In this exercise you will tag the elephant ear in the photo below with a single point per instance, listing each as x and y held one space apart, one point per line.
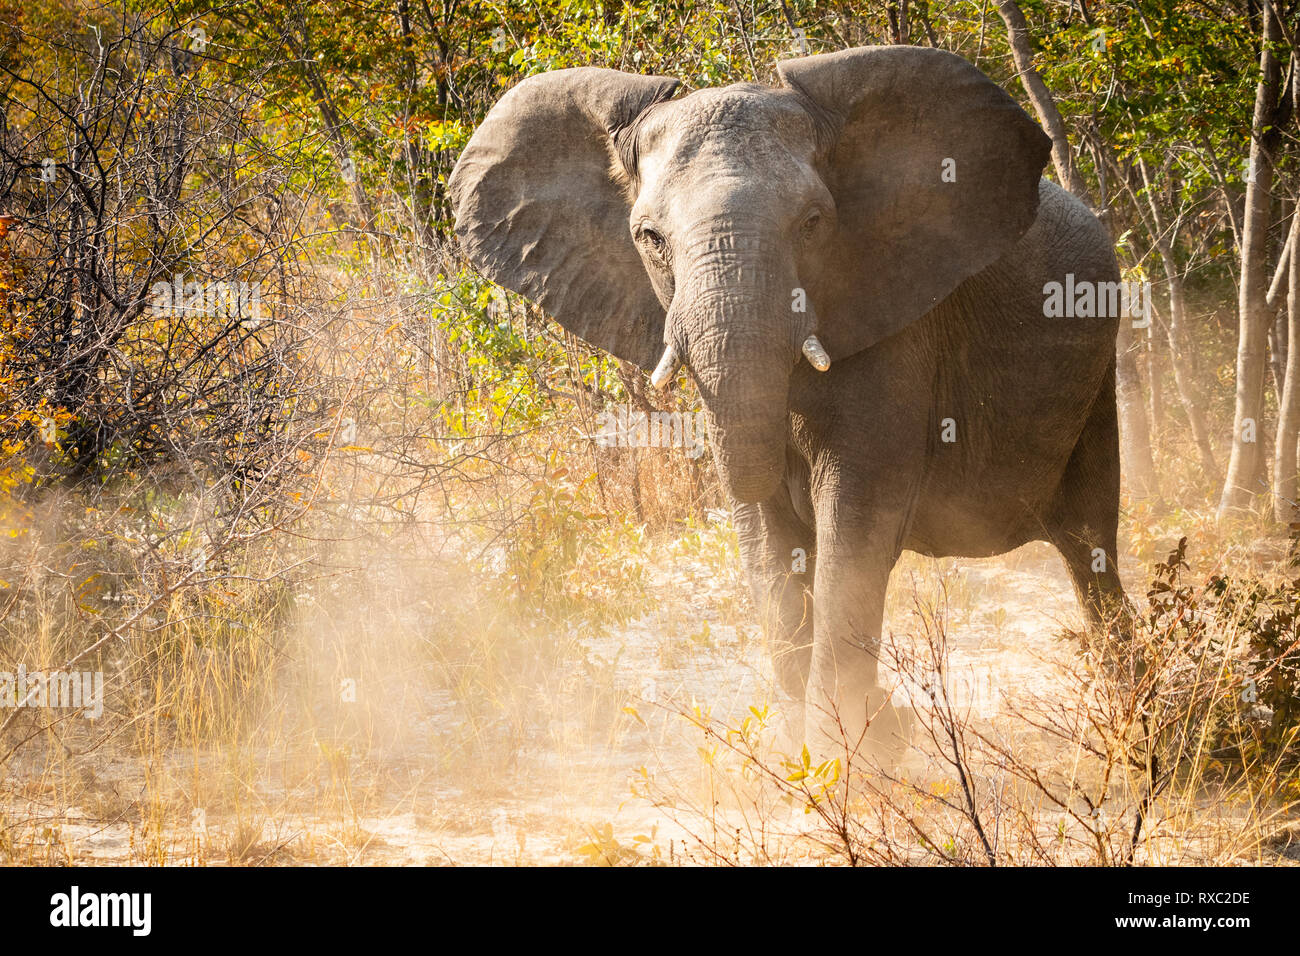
540 210
896 119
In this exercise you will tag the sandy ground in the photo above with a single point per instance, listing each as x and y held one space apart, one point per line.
627 784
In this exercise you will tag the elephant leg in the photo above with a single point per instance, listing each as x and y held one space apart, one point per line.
778 553
1084 517
1089 554
846 708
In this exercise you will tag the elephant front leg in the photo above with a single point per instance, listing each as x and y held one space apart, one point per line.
847 711
777 549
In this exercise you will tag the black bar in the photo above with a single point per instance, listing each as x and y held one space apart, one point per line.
330 906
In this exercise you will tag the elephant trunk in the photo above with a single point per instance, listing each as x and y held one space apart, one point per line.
747 426
737 335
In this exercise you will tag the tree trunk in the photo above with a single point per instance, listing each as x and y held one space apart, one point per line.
1277 290
1179 349
1155 393
1135 439
1245 467
1041 98
1286 483
1279 340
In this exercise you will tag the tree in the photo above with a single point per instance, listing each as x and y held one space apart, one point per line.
1286 482
1245 467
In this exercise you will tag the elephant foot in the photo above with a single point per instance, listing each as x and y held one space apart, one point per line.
877 741
788 742
790 665
889 735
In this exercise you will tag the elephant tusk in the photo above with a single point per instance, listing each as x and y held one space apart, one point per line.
815 354
667 368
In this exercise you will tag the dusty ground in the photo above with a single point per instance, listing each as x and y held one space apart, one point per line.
601 759
563 790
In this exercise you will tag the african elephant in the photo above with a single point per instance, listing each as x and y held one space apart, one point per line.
853 267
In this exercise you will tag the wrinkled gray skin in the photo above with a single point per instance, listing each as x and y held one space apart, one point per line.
639 220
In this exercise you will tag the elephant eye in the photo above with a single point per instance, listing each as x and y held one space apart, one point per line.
655 240
810 224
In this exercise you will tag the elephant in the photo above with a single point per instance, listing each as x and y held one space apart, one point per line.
852 266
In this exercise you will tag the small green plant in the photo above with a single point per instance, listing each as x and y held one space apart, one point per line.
1242 636
603 848
567 559
815 783
1269 619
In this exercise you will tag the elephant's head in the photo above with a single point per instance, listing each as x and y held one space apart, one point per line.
735 229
